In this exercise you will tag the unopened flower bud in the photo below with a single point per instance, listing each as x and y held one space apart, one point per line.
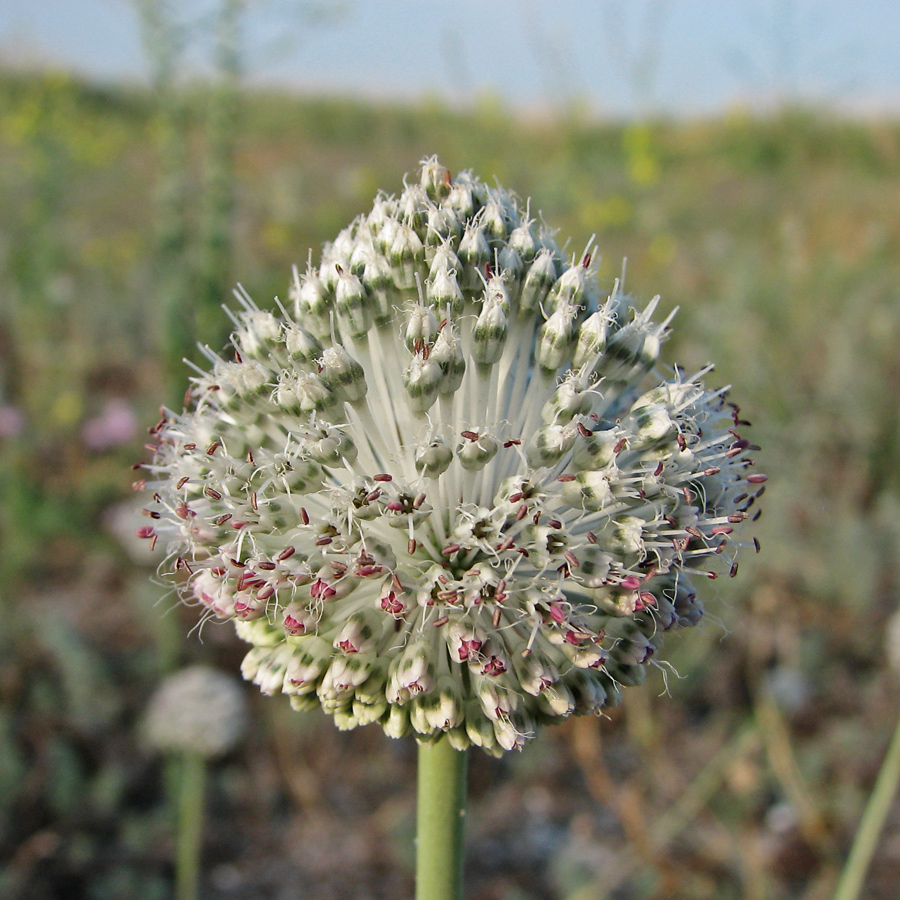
474 253
556 339
434 458
539 278
343 375
490 334
422 380
407 256
421 328
476 453
550 444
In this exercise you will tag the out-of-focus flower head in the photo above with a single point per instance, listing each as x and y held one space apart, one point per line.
196 710
449 490
12 422
115 425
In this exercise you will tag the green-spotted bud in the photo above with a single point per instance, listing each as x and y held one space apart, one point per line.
312 302
497 702
539 278
461 199
556 339
266 670
330 446
352 303
494 219
550 444
376 274
572 398
591 340
443 225
421 328
595 449
440 710
258 335
435 179
433 458
480 731
411 673
396 725
360 254
626 536
444 293
343 375
302 347
306 668
497 291
444 260
576 286
557 700
587 490
297 476
407 257
387 232
422 380
244 379
413 207
634 348
522 241
653 424
593 565
305 393
474 254
447 353
490 333
378 280
536 673
382 210
512 268
360 634
475 451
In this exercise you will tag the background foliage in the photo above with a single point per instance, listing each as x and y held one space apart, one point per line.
778 238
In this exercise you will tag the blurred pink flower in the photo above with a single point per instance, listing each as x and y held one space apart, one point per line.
114 426
12 421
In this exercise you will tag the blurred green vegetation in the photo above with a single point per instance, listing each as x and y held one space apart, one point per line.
779 240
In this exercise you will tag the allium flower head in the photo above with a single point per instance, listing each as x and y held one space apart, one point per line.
447 490
196 710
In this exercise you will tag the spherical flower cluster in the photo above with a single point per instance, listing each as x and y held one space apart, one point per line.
442 491
196 710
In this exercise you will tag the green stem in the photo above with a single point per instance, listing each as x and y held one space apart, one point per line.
440 821
191 791
872 822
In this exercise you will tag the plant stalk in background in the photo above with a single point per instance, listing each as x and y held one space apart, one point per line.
165 40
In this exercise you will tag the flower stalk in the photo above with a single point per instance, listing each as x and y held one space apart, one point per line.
196 715
440 821
191 804
853 875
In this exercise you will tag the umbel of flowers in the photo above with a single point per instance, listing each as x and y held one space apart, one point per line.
448 489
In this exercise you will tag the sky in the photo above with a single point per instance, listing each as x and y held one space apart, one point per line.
614 57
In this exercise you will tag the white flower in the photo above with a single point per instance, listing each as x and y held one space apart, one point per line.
448 490
196 710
